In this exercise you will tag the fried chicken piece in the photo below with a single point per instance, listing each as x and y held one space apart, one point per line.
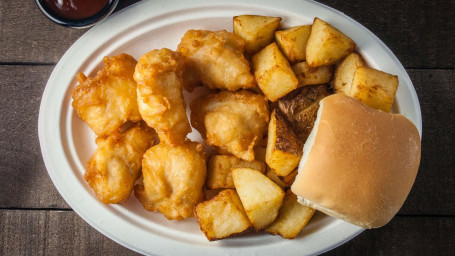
116 163
159 94
217 57
173 179
233 122
108 100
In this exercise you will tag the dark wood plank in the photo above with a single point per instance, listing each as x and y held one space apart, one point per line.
420 33
28 36
404 236
433 191
52 233
24 182
64 233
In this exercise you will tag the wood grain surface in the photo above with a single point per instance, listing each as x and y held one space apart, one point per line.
35 220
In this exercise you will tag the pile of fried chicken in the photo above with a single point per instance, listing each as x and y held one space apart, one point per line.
137 111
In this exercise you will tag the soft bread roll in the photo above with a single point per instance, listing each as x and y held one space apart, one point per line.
359 163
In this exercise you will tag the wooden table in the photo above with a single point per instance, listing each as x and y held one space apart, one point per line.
35 220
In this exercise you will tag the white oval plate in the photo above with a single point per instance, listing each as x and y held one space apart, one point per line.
67 143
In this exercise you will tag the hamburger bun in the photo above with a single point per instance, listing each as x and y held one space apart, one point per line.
358 163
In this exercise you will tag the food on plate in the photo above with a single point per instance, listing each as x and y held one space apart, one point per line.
222 216
284 148
301 106
173 179
326 44
219 170
217 58
159 94
374 88
282 181
232 122
359 163
116 164
345 72
361 168
273 73
292 42
108 100
256 30
292 217
307 75
261 198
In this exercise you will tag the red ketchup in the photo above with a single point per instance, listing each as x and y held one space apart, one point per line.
76 9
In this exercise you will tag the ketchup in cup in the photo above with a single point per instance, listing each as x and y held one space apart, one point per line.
77 13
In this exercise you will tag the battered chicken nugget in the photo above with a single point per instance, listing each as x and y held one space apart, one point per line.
218 59
108 100
116 163
233 122
173 178
159 94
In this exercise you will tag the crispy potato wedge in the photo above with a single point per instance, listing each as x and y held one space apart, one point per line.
292 218
375 88
222 216
256 30
292 42
273 73
219 170
261 197
284 182
327 44
284 148
307 75
345 72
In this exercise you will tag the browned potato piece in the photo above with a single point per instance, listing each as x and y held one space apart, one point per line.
283 147
292 218
307 75
222 216
345 72
273 73
219 170
301 106
292 42
261 197
274 177
284 182
374 88
327 44
256 30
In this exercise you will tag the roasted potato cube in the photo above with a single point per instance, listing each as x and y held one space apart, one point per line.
326 44
282 181
374 88
274 177
261 197
222 216
273 73
292 42
345 72
284 148
256 30
307 75
292 217
301 106
219 170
